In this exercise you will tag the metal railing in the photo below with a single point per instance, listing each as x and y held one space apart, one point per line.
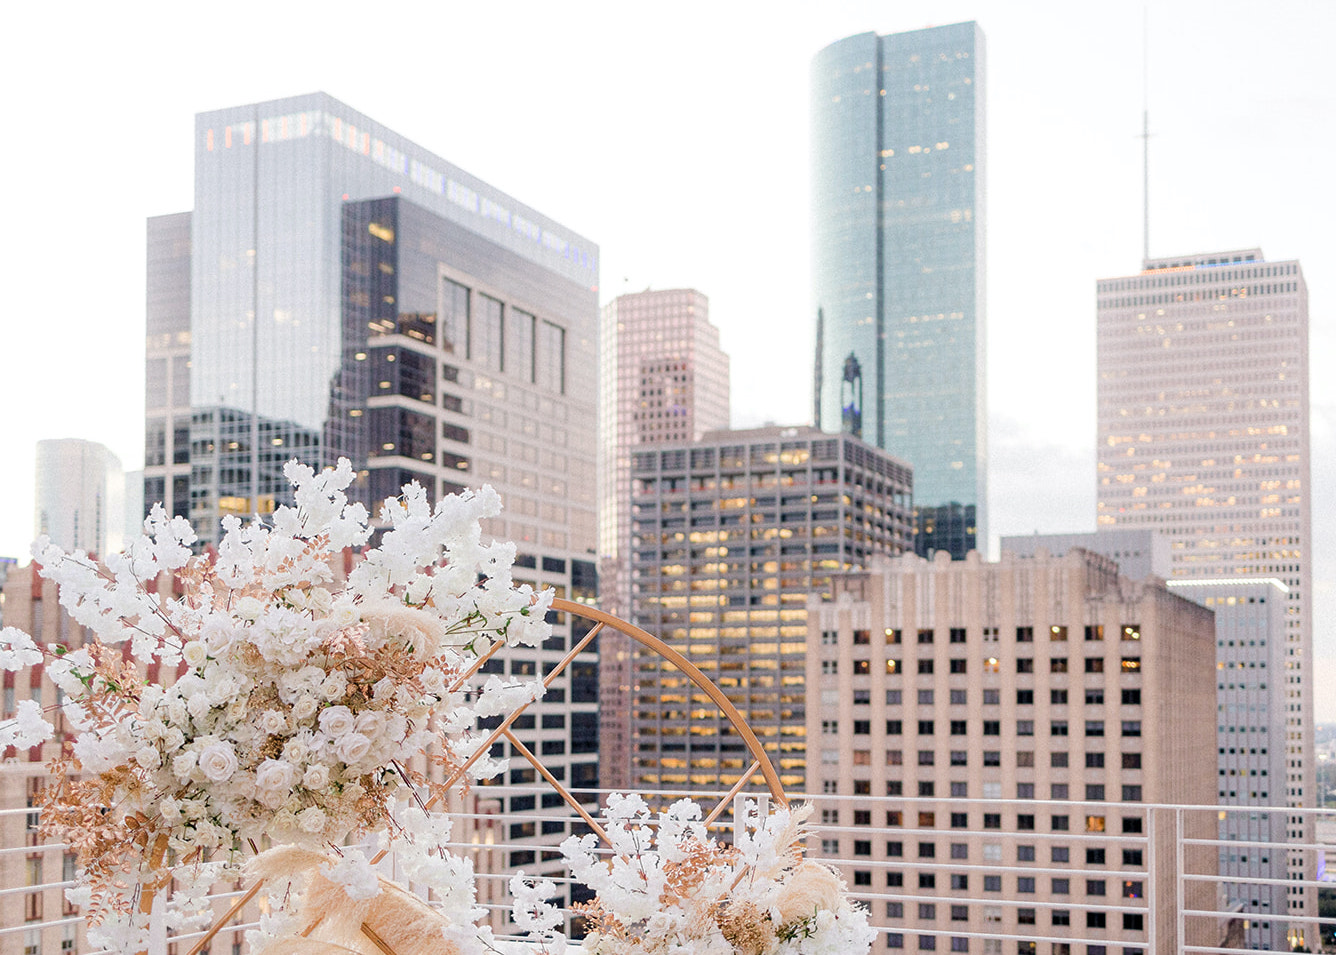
965 893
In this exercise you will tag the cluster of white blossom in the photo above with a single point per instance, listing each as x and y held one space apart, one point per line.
669 887
299 699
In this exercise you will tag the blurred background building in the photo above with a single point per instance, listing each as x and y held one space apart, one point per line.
1203 436
662 378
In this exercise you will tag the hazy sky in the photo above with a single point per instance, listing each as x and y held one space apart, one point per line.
675 136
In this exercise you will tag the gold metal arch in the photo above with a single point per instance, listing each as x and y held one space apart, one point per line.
760 761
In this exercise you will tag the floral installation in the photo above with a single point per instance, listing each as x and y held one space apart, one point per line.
295 710
668 887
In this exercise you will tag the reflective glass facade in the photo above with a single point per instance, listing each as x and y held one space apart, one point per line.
268 343
898 256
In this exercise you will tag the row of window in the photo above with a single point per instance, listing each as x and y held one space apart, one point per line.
1093 633
990 727
1094 696
990 665
993 946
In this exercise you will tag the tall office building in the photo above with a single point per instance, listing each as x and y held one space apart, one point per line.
1204 436
731 536
1250 747
274 369
1011 723
898 162
662 378
340 291
167 365
80 499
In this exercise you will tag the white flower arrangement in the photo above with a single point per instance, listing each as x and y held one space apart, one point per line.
294 712
670 887
299 707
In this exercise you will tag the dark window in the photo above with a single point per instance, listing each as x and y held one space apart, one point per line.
957 666
925 636
1131 697
893 727
1057 665
925 666
992 820
1094 760
992 883
1094 856
925 727
1025 634
1095 920
957 634
1024 697
958 728
1058 728
1094 665
1133 921
1024 665
992 727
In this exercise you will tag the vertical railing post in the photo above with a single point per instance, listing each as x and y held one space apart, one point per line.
1179 873
1152 884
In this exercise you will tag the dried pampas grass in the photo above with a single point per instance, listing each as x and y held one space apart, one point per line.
394 922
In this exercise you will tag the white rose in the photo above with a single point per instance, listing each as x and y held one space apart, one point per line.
183 764
370 724
337 721
320 599
352 747
194 653
311 820
316 777
171 810
334 686
199 705
173 739
272 721
148 757
304 708
176 712
275 776
218 762
249 608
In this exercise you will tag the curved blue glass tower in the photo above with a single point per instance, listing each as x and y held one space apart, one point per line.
898 262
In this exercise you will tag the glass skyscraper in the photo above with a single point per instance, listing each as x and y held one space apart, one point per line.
272 363
898 263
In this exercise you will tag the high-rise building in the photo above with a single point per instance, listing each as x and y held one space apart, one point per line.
274 369
1138 552
1011 723
898 162
1204 436
167 365
80 499
731 535
663 378
340 291
1250 747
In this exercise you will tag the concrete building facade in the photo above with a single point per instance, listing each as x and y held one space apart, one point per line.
732 535
1014 716
1203 435
80 495
662 378
1138 552
1250 748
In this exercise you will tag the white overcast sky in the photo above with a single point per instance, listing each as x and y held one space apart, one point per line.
675 136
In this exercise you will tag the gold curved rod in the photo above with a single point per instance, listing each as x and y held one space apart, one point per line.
695 675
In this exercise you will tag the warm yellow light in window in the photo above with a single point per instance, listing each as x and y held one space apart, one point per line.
384 233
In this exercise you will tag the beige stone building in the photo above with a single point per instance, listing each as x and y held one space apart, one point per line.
1009 724
662 378
1204 437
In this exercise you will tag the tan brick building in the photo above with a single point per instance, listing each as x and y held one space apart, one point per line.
1007 723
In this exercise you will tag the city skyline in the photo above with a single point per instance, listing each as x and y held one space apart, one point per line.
1065 191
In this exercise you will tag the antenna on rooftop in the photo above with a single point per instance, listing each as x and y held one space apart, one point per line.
1145 134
